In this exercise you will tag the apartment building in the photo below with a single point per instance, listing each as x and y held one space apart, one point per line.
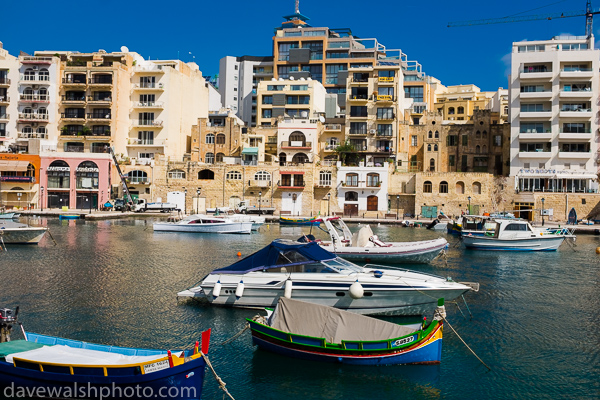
554 128
458 102
238 82
218 137
9 79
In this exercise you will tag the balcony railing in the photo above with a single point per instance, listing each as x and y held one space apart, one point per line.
99 99
298 144
148 85
32 135
358 131
259 183
99 116
35 97
74 81
386 116
71 99
4 116
4 99
333 127
149 68
149 104
145 142
4 81
584 130
35 78
33 116
100 81
147 122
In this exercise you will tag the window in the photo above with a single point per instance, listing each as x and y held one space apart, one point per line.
437 135
325 178
262 176
460 187
443 187
385 113
352 180
451 160
532 127
477 149
387 73
451 110
299 87
144 137
429 147
358 111
206 174
534 147
465 140
476 188
234 176
431 165
460 110
275 88
385 130
516 227
331 71
351 196
427 187
176 174
414 92
430 135
137 176
147 156
373 180
220 157
451 140
413 140
209 158
210 138
220 138
358 128
267 113
267 99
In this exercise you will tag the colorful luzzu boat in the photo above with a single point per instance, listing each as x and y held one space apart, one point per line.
52 367
300 221
320 333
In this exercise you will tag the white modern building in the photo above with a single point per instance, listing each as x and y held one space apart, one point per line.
238 81
9 77
362 189
553 107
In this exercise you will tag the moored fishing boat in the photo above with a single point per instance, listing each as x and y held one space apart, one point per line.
320 333
302 221
16 233
199 223
305 271
68 216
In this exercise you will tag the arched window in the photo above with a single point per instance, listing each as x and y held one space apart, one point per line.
477 149
435 147
298 136
432 165
210 138
42 130
44 75
351 196
485 134
262 176
43 92
373 180
28 92
234 176
352 180
477 135
219 157
206 174
27 129
282 159
476 188
443 187
220 138
87 175
460 187
42 111
137 176
209 158
300 158
427 187
29 74
484 149
430 135
429 147
451 110
176 174
461 110
437 135
325 178
58 175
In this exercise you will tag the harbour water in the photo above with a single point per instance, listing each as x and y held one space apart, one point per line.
534 321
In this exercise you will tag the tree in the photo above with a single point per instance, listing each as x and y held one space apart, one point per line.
344 150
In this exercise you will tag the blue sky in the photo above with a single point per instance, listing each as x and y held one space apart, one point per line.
211 30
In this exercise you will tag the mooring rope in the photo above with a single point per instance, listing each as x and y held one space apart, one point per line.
217 378
231 339
465 343
52 237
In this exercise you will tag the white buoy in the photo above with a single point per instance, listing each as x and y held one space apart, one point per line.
217 289
356 290
239 290
287 292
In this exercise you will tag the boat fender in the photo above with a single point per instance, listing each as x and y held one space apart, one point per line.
356 290
217 289
287 292
239 290
377 274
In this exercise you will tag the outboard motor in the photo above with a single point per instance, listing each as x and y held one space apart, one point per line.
7 320
432 224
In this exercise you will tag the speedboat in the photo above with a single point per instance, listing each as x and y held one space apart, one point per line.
364 246
257 220
199 223
517 235
307 272
16 233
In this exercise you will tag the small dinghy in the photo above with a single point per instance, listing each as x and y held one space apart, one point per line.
320 333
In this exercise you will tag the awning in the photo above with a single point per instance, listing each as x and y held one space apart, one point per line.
252 151
13 165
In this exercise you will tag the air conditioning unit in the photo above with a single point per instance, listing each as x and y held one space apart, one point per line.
34 105
35 67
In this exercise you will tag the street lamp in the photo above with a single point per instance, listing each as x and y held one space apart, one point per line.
397 205
90 199
198 199
259 201
184 201
469 210
543 199
328 204
42 198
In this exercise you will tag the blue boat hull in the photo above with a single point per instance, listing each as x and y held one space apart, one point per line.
61 217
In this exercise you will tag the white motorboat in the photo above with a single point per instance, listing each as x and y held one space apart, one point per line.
516 235
199 223
364 246
16 233
9 215
307 272
257 220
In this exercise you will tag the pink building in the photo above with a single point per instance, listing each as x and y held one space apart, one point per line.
74 180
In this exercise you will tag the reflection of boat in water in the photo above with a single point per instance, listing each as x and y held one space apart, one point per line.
199 223
365 246
305 271
16 233
320 333
68 217
299 220
516 235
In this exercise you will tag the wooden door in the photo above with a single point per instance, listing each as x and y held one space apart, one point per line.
350 209
372 203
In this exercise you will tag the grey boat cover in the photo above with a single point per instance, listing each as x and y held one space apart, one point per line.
331 324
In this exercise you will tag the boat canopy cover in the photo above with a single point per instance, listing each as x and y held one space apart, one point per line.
332 324
279 253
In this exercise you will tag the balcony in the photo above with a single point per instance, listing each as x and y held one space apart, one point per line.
131 142
333 127
296 145
4 101
360 81
385 80
581 73
581 113
535 154
575 155
546 94
99 117
32 135
358 98
4 117
99 82
386 117
35 79
290 185
77 82
259 183
578 94
148 86
330 147
156 69
4 82
585 134
384 98
97 136
99 100
359 132
33 117
540 115
535 75
147 123
148 104
535 136
73 100
67 117
36 60
34 98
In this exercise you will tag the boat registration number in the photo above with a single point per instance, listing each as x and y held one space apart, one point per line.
157 366
404 341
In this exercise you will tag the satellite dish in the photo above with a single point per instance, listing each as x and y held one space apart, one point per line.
322 119
124 49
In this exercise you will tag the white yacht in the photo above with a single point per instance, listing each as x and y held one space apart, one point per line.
257 220
199 223
307 272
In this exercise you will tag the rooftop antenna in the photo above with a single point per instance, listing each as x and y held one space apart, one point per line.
297 7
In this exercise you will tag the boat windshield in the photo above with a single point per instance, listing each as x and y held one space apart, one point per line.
337 265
